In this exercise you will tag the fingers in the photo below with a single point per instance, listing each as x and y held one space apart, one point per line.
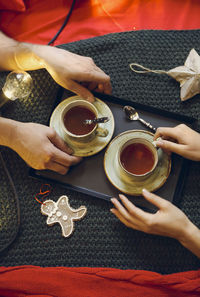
103 80
85 92
94 74
122 219
174 132
80 90
166 132
122 211
59 161
60 151
159 202
93 86
57 168
171 139
97 79
128 210
105 88
171 146
59 142
65 159
133 210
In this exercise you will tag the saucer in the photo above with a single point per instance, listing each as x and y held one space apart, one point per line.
96 144
125 183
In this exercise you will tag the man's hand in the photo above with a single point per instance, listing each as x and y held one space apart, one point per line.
42 148
76 73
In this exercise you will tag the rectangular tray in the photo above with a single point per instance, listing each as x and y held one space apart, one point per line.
85 177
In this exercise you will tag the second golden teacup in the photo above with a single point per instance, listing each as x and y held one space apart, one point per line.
137 158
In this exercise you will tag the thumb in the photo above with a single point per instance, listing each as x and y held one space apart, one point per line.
81 91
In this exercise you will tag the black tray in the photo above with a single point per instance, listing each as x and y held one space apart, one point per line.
88 177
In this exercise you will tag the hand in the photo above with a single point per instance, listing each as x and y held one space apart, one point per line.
76 73
167 221
181 140
42 148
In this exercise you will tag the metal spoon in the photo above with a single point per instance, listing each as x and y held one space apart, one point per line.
97 120
132 115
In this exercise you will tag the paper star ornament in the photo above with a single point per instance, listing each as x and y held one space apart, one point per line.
188 75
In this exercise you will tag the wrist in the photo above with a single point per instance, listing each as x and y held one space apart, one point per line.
8 130
191 239
27 56
19 55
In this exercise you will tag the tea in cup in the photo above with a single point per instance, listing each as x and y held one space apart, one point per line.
72 121
138 157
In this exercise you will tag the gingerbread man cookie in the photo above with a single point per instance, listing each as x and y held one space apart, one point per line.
60 212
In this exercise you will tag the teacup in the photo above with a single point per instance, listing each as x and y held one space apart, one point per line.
137 158
72 123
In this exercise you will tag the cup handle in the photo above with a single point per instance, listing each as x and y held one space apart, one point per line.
101 132
154 143
159 150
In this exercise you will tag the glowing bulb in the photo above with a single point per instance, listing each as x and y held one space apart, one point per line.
18 85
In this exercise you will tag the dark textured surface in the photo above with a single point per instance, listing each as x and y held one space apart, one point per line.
99 239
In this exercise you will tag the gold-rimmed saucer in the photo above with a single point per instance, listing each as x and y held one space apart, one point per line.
96 144
127 184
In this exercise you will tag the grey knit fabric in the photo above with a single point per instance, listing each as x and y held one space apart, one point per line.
100 239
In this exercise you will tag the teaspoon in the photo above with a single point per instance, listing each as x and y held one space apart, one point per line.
132 115
97 120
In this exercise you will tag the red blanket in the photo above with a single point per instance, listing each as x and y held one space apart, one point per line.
42 18
95 282
38 23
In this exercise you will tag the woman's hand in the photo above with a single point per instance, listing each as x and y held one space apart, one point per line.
42 148
167 221
181 140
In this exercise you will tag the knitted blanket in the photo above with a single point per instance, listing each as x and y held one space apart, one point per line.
100 240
